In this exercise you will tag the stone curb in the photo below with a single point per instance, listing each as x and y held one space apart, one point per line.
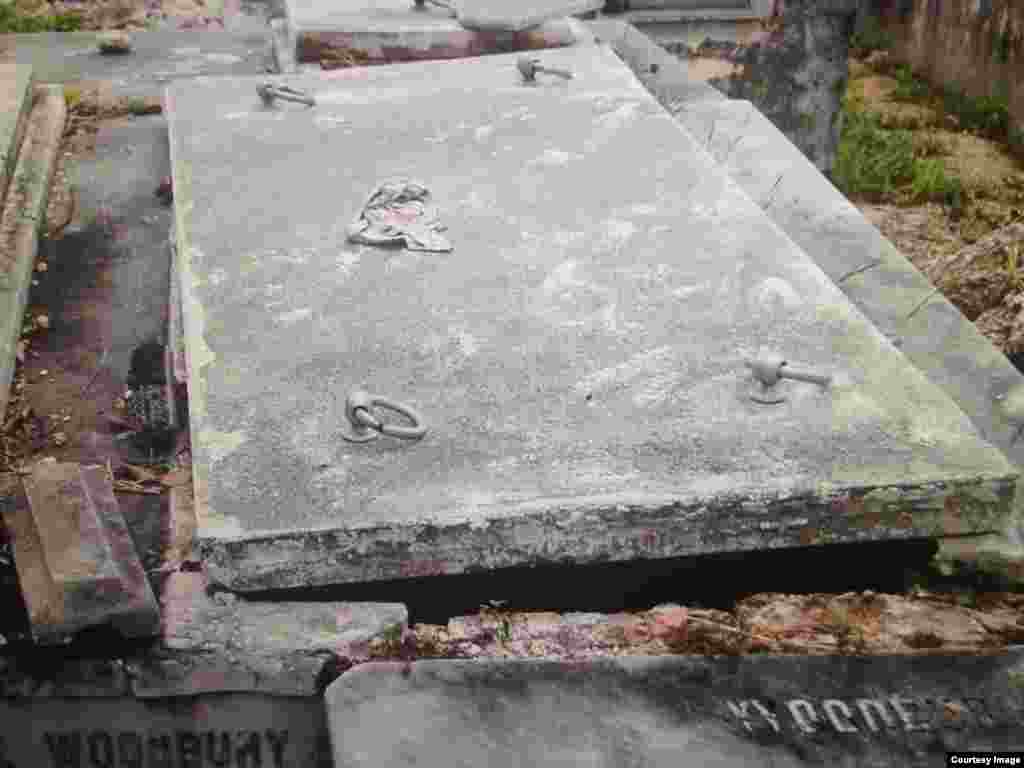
34 173
16 80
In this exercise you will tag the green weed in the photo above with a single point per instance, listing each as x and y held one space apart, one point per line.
13 21
909 87
874 162
871 36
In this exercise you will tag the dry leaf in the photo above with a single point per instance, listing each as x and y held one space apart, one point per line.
141 474
176 478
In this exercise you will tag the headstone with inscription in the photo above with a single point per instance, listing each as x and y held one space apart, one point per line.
352 32
230 684
580 359
680 712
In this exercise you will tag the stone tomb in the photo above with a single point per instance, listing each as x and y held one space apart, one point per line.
357 31
679 712
578 357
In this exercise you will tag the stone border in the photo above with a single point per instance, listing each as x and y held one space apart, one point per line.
33 176
13 121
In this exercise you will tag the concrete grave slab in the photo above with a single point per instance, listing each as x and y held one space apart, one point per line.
880 281
76 561
500 15
678 712
578 357
355 31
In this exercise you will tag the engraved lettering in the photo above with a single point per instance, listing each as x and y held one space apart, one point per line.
868 708
804 714
278 741
129 750
739 711
842 721
218 757
65 748
904 708
101 750
767 714
979 708
742 711
190 750
159 751
247 750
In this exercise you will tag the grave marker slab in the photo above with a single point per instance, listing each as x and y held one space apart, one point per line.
578 358
679 712
396 30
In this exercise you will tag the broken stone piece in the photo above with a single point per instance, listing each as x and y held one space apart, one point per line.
114 43
219 642
75 557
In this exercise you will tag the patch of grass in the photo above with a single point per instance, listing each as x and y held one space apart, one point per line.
874 162
72 96
909 87
13 21
871 36
988 115
137 106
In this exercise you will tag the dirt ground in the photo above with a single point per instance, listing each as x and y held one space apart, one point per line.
989 291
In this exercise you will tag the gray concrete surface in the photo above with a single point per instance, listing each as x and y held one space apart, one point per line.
219 643
157 57
395 30
677 712
578 357
77 563
499 16
891 292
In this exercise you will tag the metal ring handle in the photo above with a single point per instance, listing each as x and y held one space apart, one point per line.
366 426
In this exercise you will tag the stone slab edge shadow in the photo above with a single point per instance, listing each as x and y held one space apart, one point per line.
881 282
33 175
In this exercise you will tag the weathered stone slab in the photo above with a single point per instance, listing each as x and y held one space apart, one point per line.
578 357
356 32
884 712
880 281
501 16
220 643
228 731
75 557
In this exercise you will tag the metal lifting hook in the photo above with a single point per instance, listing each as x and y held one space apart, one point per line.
365 426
